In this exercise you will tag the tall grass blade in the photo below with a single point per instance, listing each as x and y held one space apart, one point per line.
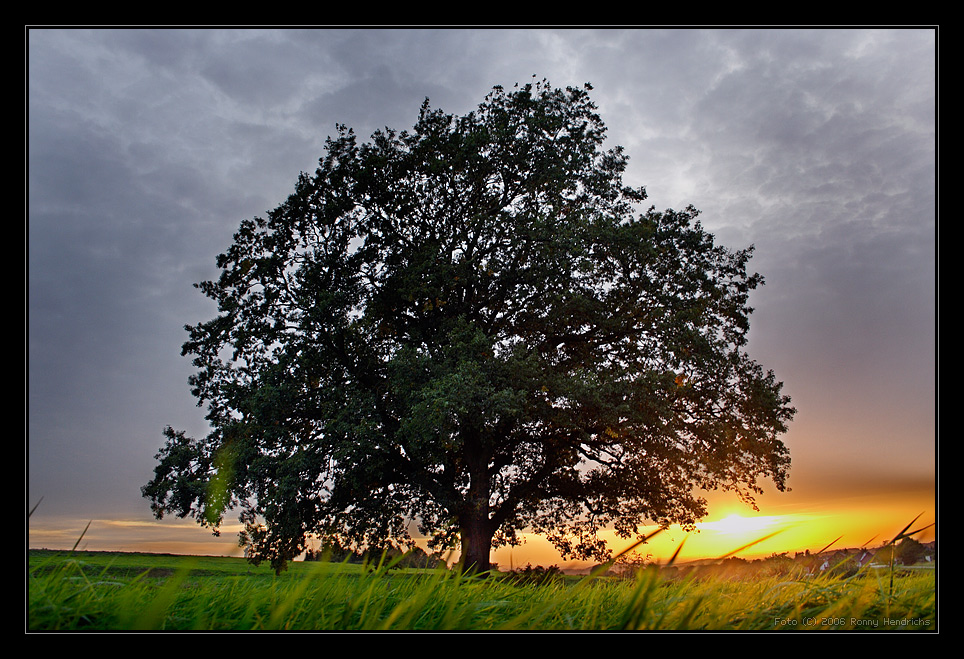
829 546
901 534
639 542
155 614
893 547
750 544
672 559
604 567
81 536
916 531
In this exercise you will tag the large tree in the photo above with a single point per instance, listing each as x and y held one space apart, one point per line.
472 328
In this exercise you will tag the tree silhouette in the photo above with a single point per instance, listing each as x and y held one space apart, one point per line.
471 328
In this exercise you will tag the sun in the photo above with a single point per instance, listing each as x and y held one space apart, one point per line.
734 524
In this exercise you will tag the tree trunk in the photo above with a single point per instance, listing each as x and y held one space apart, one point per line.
476 544
475 526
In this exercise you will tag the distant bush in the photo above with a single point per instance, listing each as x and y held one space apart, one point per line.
534 575
909 551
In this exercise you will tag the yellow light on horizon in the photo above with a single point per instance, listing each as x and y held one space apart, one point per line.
735 524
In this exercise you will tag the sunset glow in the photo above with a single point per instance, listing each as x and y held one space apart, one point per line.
737 524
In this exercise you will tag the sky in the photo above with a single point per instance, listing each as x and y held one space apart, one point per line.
146 148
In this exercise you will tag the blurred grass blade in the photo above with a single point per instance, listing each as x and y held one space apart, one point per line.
602 568
830 545
915 532
901 534
81 536
34 508
639 542
750 544
672 559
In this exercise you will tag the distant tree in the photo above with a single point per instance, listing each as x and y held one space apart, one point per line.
630 563
909 551
472 327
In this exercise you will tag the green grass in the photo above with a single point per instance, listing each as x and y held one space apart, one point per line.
92 591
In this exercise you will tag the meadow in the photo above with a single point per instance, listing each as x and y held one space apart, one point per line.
92 591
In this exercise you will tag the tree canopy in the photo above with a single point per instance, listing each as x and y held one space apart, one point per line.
471 329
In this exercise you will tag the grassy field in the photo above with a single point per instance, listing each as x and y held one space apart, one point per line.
76 591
